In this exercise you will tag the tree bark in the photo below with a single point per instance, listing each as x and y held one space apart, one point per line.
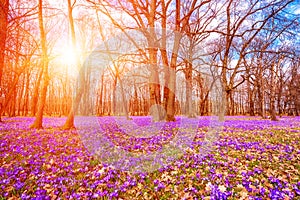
26 100
38 123
272 94
172 75
4 7
189 90
100 109
69 124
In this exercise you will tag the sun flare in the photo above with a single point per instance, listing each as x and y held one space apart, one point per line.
68 57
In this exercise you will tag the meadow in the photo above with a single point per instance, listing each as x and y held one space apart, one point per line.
252 158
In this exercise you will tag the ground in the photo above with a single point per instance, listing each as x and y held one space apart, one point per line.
250 159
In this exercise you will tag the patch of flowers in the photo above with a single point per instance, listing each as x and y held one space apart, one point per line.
252 159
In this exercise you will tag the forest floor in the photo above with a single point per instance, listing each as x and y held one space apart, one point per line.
250 159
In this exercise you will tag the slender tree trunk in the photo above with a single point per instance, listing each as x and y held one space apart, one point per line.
106 105
114 99
261 97
233 106
124 102
10 94
21 98
164 55
101 96
135 103
250 93
250 99
70 119
38 123
279 101
13 103
26 100
272 95
225 108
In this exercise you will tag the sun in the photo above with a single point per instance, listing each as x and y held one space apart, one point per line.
68 58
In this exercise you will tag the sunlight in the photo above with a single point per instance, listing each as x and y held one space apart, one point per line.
67 57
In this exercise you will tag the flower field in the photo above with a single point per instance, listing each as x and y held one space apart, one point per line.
251 159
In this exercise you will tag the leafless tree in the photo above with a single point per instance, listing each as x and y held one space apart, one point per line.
244 21
38 123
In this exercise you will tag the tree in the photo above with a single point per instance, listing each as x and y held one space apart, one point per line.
145 18
242 25
293 93
4 5
192 46
20 47
181 25
75 103
38 123
263 60
175 42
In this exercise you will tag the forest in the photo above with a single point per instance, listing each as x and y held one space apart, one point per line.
249 48
149 99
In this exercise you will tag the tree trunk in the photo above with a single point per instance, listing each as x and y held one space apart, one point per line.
85 108
164 55
154 83
70 119
38 123
171 96
35 97
262 99
251 102
279 101
4 7
124 102
227 103
189 90
100 112
21 98
26 100
172 78
272 95
12 111
114 99
69 124
10 93
135 108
